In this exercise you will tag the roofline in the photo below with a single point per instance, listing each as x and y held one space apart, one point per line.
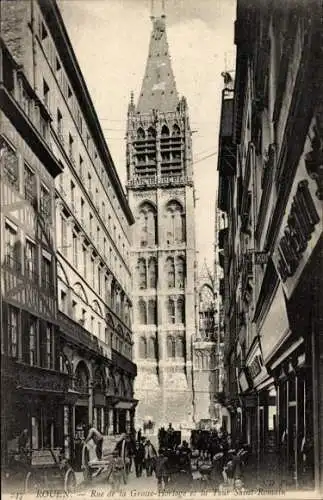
54 18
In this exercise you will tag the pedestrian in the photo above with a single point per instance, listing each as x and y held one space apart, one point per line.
150 457
97 438
139 457
23 441
161 469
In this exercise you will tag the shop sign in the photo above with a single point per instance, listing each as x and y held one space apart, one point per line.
261 258
255 367
243 382
301 222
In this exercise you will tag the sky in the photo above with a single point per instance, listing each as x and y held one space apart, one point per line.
110 39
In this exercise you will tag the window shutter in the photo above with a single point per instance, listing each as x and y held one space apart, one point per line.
4 328
25 325
42 343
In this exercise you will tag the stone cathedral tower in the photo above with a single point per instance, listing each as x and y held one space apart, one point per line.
161 195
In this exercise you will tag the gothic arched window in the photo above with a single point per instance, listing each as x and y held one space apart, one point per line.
142 274
147 221
140 133
170 272
152 312
175 223
164 131
181 310
151 133
176 130
142 312
180 271
170 347
180 347
151 348
142 348
152 272
118 304
82 377
171 311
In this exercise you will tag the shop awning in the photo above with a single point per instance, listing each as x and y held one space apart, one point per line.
124 405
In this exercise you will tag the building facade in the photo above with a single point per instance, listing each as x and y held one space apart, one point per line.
272 194
90 231
207 350
161 196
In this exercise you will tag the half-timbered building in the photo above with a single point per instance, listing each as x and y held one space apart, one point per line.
66 247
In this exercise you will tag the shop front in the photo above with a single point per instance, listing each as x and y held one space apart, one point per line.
38 399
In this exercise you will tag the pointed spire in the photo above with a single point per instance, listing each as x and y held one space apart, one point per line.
158 89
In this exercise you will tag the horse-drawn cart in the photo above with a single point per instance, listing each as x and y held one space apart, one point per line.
114 465
48 470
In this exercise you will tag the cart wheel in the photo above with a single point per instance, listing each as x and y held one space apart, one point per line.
31 484
69 481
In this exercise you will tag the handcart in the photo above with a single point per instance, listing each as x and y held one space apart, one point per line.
113 467
49 470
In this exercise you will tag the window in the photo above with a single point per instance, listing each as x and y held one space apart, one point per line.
92 324
148 229
170 272
142 348
33 327
99 279
152 312
47 280
181 310
43 32
142 312
12 251
74 306
75 249
64 236
81 173
103 210
180 347
152 272
84 253
63 302
29 184
13 318
45 203
48 347
72 193
106 336
25 102
170 347
175 223
91 224
82 209
10 164
70 146
171 311
151 348
30 260
180 268
93 271
142 274
107 289
89 182
46 94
